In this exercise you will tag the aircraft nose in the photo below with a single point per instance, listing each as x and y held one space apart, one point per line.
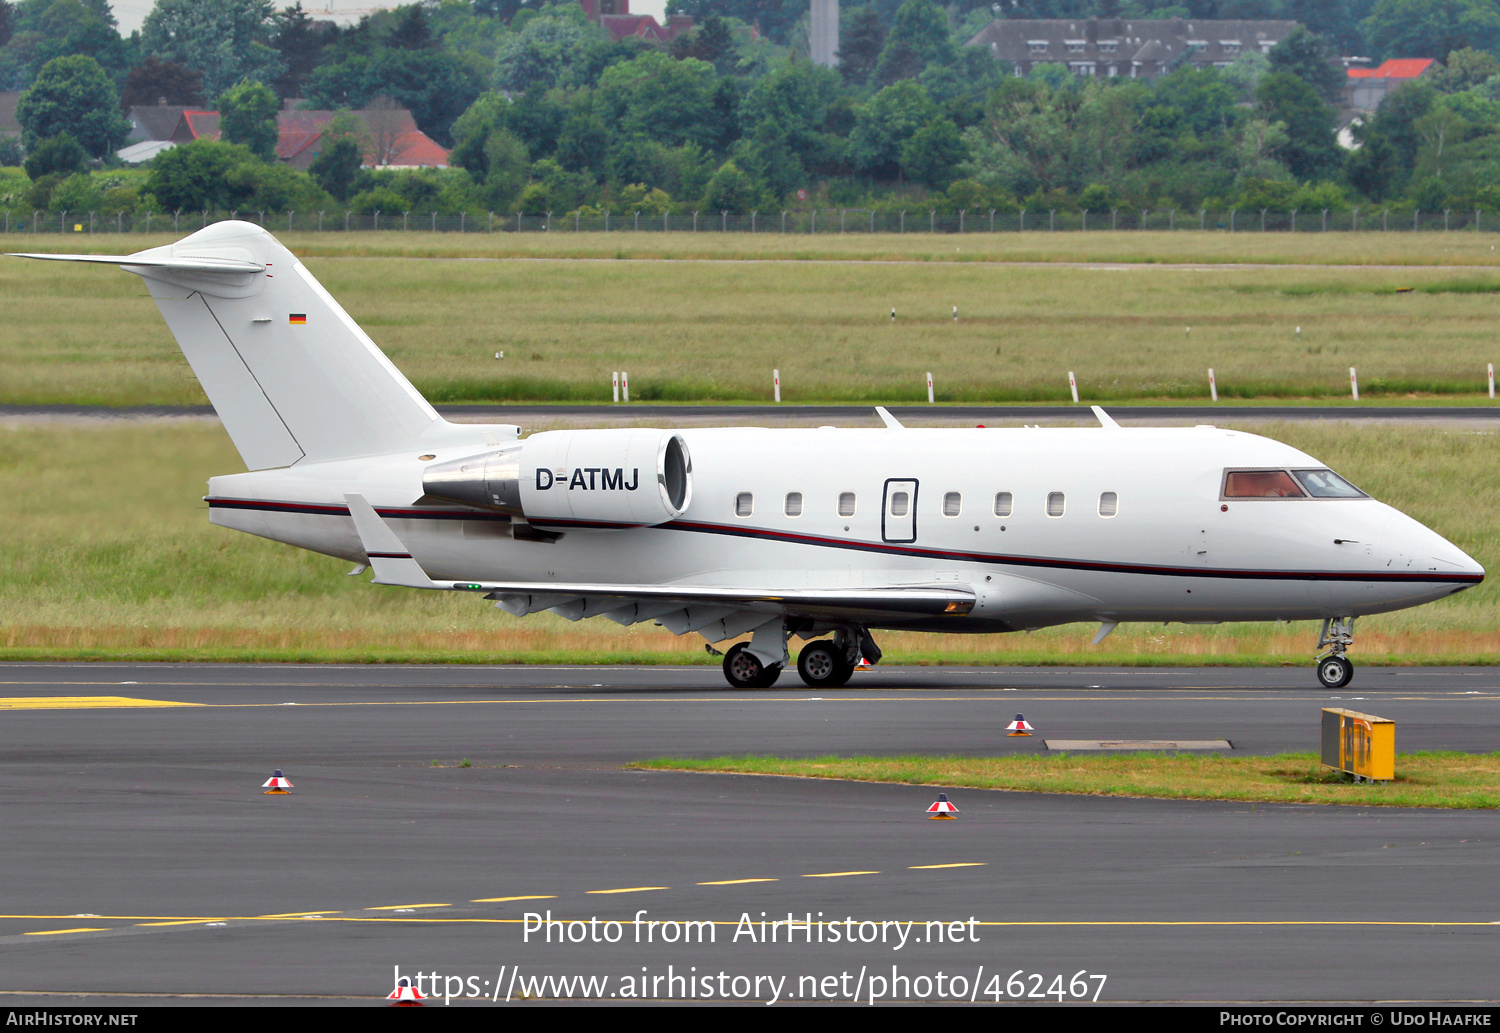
1413 548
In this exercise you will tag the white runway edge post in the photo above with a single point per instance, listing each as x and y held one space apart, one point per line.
1354 383
1213 387
616 383
776 383
1492 380
1073 386
929 389
625 385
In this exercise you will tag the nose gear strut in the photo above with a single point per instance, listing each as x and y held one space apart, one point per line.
1334 668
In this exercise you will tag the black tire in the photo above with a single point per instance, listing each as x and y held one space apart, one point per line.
822 665
1334 672
744 671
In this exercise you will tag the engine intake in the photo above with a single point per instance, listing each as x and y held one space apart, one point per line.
601 478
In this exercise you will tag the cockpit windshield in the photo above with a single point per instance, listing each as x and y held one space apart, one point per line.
1325 484
1288 484
1260 484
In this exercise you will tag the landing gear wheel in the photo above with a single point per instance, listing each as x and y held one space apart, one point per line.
1335 672
822 665
743 670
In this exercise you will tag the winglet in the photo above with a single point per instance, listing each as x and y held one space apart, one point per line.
891 423
1105 419
388 555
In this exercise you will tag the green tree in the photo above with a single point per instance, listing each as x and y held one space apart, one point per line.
933 153
1431 28
336 166
1381 167
247 115
73 95
412 31
1464 70
861 39
61 155
731 190
919 37
508 164
194 176
1312 149
1312 59
884 125
653 96
543 52
224 41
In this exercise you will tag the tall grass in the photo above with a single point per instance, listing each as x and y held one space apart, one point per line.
713 331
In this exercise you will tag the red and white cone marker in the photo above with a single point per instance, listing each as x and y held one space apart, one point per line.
863 665
405 995
1020 726
277 784
942 809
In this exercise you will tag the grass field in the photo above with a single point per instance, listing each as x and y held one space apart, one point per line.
713 330
1450 780
109 554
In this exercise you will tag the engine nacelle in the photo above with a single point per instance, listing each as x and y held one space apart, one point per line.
599 478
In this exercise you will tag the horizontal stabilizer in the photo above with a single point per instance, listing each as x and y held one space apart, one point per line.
180 265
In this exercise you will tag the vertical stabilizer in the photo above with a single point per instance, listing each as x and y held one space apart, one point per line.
290 374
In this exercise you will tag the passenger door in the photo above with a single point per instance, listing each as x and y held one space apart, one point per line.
898 514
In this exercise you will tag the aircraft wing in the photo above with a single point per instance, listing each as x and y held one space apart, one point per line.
716 612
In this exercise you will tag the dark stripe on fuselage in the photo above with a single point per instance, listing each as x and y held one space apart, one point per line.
884 548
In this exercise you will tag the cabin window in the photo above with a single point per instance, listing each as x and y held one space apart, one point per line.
1260 484
1109 504
846 503
953 504
1056 501
1325 484
1004 503
793 507
900 503
744 504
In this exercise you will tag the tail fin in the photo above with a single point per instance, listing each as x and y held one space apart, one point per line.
291 375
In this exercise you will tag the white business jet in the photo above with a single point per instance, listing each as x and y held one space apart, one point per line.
819 534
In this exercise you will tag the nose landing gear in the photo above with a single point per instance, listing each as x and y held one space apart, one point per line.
1334 668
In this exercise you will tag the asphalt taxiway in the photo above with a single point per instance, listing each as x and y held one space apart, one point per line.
144 865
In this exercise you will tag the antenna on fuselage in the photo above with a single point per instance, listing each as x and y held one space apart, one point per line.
891 423
1105 419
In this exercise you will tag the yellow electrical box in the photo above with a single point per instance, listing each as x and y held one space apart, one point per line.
1361 745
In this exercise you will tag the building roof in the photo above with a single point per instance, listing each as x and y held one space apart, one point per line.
143 151
154 121
1128 46
1395 68
395 142
196 125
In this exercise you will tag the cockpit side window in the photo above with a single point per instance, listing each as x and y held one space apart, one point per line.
1260 484
1325 484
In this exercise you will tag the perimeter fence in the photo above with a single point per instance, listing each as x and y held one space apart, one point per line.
804 221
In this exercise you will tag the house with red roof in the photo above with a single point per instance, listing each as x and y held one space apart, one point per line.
615 17
1369 87
391 137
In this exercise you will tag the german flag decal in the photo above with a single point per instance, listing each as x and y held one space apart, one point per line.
297 318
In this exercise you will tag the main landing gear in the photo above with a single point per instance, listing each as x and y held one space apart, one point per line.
744 670
1334 668
826 663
